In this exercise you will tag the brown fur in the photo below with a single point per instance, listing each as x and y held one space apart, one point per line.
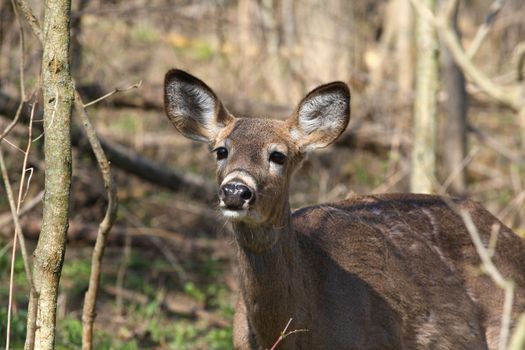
394 271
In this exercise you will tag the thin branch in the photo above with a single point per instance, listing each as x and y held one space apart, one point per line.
15 212
285 334
7 218
115 91
21 70
5 248
495 275
485 254
484 29
88 312
491 142
459 168
506 95
31 19
13 255
18 237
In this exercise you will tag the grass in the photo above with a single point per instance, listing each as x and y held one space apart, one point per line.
140 326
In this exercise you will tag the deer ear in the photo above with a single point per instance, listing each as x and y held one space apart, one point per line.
193 107
321 116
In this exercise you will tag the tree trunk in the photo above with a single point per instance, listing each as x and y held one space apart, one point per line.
424 131
58 100
454 140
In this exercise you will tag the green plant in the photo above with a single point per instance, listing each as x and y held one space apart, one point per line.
18 327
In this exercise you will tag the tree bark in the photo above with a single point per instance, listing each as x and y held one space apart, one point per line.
454 141
58 100
424 131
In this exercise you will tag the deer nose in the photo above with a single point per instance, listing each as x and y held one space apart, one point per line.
234 195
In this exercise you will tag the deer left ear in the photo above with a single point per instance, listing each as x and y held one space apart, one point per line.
321 117
193 107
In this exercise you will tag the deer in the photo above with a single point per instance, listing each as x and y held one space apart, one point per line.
388 271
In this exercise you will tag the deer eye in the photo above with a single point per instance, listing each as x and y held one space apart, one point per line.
222 153
277 158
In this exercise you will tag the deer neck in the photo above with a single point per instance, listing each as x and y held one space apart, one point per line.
273 281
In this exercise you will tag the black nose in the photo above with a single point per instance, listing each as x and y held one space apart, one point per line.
235 194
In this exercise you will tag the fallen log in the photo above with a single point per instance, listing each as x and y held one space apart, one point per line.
125 159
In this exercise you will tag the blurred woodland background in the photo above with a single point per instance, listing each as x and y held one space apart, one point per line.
168 278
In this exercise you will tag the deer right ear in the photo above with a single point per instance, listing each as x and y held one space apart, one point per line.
193 107
321 117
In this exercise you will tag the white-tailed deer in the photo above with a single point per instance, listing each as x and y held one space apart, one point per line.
394 271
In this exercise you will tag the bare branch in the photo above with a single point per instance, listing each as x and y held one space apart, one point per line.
88 312
7 218
494 144
21 69
31 19
115 91
506 95
18 237
484 29
285 334
493 272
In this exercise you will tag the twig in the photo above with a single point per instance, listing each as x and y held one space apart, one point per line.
5 248
459 168
514 204
88 312
31 19
18 235
13 145
285 334
491 142
484 29
495 275
485 254
21 69
508 95
11 284
4 220
115 91
33 295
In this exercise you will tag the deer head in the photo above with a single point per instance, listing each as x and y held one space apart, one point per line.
255 157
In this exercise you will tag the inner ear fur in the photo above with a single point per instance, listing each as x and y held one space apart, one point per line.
193 107
321 117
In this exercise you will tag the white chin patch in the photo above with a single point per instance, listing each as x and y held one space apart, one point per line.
234 214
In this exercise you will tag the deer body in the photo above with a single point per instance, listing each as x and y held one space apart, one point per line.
371 272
